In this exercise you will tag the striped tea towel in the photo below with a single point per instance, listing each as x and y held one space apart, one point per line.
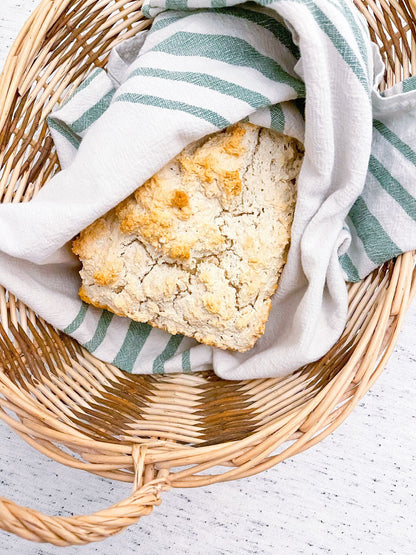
303 67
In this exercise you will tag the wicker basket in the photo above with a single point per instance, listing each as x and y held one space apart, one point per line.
142 429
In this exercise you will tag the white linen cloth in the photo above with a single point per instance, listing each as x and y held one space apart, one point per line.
306 68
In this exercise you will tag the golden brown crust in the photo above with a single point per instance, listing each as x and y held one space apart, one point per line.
209 169
233 144
198 249
84 297
180 251
82 245
179 199
109 274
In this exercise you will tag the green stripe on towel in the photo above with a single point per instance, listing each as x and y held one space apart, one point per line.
339 42
198 112
176 4
133 343
166 354
186 361
267 22
65 131
258 18
377 243
100 332
345 10
77 321
396 141
277 118
253 98
230 50
349 268
393 187
93 113
409 84
165 21
344 49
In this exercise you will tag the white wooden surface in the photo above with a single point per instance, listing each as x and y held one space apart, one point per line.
353 493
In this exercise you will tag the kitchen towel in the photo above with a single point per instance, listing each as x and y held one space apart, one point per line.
305 68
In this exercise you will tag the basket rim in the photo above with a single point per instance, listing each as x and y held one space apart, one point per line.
391 289
38 16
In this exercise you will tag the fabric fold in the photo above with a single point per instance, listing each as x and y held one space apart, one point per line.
304 68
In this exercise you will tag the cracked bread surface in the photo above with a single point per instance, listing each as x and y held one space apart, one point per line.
198 249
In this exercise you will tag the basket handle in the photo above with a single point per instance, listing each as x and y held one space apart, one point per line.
78 530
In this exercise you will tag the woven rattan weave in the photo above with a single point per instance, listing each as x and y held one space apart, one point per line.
161 431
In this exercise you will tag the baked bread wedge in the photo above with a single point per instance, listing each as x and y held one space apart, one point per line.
199 248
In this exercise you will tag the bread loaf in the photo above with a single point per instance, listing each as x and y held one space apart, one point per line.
199 248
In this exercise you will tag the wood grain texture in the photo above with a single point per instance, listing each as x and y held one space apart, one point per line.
352 493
